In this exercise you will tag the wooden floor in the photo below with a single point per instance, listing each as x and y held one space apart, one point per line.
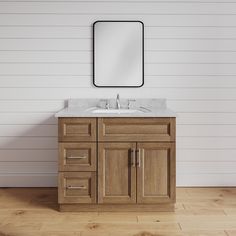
199 211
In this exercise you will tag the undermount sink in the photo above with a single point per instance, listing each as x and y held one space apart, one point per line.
116 111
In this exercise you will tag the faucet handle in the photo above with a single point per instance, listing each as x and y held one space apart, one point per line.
129 102
107 105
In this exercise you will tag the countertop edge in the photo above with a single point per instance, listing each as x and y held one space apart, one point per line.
80 113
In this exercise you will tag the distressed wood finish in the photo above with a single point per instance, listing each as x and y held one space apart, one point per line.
116 173
136 129
116 164
77 187
156 173
77 129
77 156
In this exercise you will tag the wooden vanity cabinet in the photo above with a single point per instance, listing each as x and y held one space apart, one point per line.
122 164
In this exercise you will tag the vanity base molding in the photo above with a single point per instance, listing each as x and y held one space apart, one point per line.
116 207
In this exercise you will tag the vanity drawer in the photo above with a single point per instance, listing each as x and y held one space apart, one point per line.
77 156
136 129
77 129
77 187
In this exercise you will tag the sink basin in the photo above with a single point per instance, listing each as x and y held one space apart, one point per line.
116 111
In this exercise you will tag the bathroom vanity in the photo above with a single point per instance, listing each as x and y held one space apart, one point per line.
116 161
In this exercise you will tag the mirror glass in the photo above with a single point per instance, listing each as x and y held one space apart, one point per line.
118 54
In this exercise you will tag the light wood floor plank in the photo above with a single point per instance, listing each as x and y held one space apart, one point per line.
156 233
33 233
205 225
182 218
103 227
231 232
230 211
198 212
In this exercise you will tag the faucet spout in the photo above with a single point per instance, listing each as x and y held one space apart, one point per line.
118 101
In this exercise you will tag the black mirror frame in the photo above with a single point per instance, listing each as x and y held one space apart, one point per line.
142 54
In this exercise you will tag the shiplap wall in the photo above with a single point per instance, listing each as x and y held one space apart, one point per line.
190 59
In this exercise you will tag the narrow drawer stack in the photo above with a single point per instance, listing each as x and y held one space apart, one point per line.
77 160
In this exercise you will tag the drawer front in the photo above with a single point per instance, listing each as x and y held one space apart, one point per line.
136 129
77 129
77 187
77 157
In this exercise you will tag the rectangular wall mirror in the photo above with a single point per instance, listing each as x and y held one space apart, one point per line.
118 48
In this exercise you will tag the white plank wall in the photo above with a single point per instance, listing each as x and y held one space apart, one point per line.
190 59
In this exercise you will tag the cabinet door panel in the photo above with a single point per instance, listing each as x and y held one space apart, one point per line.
116 173
156 173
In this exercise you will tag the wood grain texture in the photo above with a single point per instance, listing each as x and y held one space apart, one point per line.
116 173
136 129
117 207
77 129
156 173
128 172
77 156
33 211
77 187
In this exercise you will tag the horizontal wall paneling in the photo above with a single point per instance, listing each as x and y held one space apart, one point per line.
46 58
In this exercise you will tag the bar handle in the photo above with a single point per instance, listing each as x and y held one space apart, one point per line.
138 157
76 157
76 187
133 157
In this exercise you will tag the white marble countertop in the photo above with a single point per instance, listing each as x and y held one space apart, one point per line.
143 107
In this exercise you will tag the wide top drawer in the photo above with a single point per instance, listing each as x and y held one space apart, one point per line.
136 129
77 129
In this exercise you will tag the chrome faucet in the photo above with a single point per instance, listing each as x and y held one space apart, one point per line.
118 101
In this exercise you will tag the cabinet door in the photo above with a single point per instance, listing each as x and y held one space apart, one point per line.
116 173
155 172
